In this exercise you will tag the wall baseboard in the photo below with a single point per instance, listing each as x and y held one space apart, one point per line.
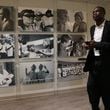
18 97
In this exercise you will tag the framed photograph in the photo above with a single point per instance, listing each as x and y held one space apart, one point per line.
68 71
71 21
7 18
35 20
70 45
36 72
7 46
35 46
7 74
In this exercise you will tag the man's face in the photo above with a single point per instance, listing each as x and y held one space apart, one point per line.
27 20
98 14
78 19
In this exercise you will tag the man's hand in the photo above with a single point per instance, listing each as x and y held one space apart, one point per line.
89 44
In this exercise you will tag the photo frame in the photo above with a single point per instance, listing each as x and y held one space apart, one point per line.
7 74
67 71
36 72
70 45
7 46
71 21
35 46
35 20
7 18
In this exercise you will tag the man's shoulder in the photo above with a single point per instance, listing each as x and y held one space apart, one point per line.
107 22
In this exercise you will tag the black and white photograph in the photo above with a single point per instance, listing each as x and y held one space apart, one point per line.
35 20
7 46
35 46
36 72
71 21
7 18
67 71
70 45
7 75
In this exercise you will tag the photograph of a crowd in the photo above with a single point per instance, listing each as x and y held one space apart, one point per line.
70 45
68 71
71 21
35 46
7 75
36 72
35 20
7 18
7 46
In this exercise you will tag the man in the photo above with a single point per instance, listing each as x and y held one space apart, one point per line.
6 23
42 73
63 22
47 21
26 22
98 61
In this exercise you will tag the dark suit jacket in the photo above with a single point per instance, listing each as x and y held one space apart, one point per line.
104 49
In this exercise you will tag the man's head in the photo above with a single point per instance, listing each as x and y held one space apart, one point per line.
28 16
33 67
48 13
40 67
62 15
4 13
38 15
79 16
99 14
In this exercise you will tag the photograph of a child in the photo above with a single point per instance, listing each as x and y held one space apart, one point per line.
70 71
35 20
35 46
36 72
7 76
71 21
70 45
7 18
7 46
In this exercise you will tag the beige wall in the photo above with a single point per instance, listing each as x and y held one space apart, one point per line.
54 4
67 4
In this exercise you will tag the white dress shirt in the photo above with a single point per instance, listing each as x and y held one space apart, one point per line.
98 36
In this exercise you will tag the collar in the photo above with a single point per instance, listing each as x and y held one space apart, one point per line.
101 25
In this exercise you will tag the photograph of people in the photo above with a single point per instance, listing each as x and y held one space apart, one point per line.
35 46
7 46
68 71
35 20
71 21
63 22
71 45
7 18
37 72
27 20
6 74
47 21
79 25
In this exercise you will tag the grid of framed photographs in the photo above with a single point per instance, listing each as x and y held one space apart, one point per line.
39 40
